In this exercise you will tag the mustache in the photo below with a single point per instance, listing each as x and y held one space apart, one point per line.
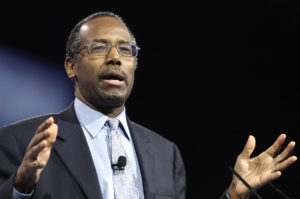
102 74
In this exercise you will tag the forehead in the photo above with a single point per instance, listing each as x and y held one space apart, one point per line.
108 28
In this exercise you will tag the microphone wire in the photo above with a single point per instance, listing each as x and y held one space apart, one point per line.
245 183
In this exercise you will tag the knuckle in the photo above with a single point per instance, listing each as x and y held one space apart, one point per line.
46 133
43 143
53 127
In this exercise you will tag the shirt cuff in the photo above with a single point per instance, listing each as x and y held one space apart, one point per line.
18 195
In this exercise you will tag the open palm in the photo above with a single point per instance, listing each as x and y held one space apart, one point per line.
265 167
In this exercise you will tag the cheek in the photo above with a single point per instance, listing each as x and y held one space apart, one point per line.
88 70
131 74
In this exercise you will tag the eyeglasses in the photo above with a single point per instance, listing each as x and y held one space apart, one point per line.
102 49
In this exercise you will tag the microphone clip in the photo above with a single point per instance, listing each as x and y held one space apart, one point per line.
119 167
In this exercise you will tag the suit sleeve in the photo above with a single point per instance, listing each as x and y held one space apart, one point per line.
10 161
179 174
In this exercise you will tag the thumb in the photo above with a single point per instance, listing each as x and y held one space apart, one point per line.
249 147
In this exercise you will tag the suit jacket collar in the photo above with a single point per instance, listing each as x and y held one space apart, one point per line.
72 148
146 159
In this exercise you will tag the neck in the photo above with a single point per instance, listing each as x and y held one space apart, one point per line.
110 111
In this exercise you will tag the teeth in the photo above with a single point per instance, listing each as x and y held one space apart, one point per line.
114 77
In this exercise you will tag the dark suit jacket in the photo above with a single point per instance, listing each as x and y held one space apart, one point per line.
70 171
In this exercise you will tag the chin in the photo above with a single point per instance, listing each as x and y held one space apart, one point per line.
113 99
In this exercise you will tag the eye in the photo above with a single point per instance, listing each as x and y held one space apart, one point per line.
98 47
125 48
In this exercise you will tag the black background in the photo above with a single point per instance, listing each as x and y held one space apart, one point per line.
209 74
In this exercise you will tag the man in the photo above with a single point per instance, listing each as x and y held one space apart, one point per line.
73 154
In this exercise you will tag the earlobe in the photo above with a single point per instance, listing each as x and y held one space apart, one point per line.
135 64
70 67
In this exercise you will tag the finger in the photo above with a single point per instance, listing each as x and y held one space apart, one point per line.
38 164
39 138
272 150
285 164
53 130
249 147
285 153
45 125
273 176
37 149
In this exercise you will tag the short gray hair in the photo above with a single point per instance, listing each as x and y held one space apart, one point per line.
74 39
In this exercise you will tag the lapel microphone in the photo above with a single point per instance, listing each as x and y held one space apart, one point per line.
119 166
283 195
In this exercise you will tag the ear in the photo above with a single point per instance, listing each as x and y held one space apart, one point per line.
70 67
135 64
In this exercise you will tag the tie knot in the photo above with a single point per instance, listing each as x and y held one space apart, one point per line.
113 123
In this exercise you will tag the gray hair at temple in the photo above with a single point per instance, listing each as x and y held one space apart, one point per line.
74 39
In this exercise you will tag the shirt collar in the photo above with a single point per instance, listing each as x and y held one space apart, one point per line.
93 121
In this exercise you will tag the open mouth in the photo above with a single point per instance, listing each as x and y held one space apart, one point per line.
113 78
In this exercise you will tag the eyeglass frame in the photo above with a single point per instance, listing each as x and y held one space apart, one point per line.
136 48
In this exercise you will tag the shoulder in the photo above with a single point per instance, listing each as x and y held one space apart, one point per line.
34 122
151 134
157 141
28 122
24 129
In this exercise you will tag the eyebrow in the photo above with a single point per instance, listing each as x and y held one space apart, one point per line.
106 41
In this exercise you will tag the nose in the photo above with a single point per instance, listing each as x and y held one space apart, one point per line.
113 57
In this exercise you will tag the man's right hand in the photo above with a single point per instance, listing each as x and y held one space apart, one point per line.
36 156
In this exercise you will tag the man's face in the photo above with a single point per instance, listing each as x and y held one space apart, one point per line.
104 81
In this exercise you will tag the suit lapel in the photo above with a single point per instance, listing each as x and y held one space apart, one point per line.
145 158
73 150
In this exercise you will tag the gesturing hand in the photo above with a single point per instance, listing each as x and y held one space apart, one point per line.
36 156
259 170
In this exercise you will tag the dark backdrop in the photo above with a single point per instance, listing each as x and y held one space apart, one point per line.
209 74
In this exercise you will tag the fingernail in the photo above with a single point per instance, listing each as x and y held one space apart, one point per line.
49 120
293 143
